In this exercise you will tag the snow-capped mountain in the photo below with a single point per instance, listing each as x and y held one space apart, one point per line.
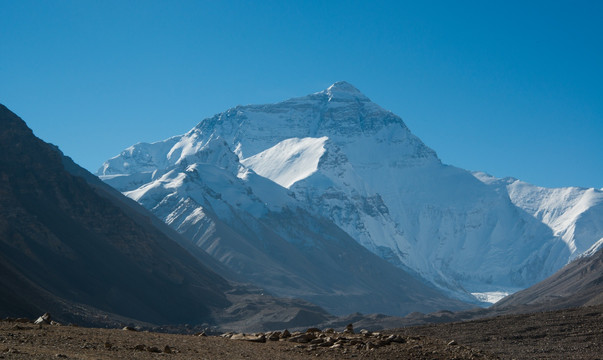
339 156
572 213
260 231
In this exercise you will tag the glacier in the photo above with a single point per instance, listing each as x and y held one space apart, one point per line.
338 156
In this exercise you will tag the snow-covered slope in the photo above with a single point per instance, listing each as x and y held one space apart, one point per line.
572 213
289 161
339 156
259 230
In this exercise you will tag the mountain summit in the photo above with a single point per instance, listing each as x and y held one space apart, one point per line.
340 157
343 87
342 90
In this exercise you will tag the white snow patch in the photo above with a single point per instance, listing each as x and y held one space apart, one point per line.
593 249
289 161
490 297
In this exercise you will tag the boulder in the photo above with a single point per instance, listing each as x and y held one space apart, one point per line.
261 338
396 339
44 319
302 338
274 336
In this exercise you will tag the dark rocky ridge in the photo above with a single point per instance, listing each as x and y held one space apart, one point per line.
580 283
73 246
61 241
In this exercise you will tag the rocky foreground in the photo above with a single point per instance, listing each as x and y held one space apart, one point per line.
575 333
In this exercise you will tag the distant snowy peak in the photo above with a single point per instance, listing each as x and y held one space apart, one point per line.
572 213
184 149
139 158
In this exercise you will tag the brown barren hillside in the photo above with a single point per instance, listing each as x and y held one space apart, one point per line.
578 283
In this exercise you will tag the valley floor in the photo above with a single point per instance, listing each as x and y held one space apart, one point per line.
564 334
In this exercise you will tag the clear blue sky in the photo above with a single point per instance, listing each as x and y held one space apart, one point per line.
510 88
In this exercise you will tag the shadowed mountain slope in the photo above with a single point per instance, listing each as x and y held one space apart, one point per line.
579 283
63 242
73 246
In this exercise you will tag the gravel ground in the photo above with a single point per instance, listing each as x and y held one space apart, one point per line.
564 334
575 334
